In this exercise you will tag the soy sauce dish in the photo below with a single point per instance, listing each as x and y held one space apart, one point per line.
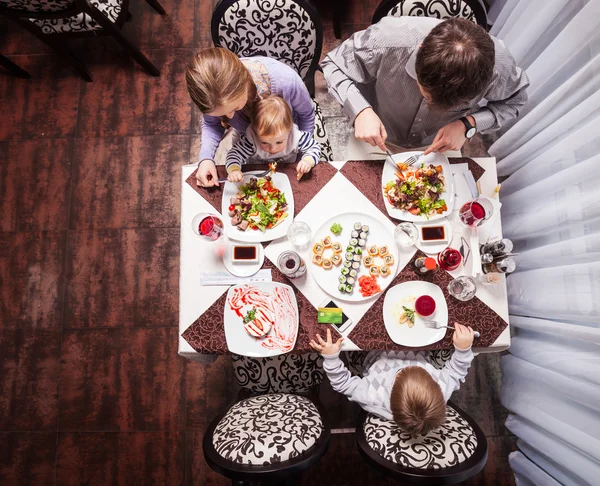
244 254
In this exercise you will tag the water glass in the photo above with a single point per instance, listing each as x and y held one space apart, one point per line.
406 235
299 234
463 288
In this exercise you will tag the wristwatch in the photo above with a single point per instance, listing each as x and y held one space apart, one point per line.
470 130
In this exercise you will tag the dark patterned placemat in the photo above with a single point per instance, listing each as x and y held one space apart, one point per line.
370 332
304 190
366 177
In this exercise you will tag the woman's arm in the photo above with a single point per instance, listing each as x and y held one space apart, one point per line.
212 134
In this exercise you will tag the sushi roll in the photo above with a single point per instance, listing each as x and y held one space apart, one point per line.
357 258
345 271
317 259
388 260
342 279
373 250
318 249
354 234
336 247
349 255
353 273
350 281
358 250
327 242
353 242
357 226
327 265
385 271
368 261
349 288
374 271
342 288
363 235
350 248
336 259
355 265
362 242
365 228
347 264
383 251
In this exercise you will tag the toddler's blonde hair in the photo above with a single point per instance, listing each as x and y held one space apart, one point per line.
271 116
417 401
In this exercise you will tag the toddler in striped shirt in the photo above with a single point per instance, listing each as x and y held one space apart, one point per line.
272 137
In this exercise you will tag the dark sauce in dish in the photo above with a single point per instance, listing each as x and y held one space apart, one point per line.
244 253
432 233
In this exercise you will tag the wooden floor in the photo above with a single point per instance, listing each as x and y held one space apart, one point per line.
92 389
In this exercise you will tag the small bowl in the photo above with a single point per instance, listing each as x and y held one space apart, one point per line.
425 300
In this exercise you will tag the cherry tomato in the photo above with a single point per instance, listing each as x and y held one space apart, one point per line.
232 208
414 211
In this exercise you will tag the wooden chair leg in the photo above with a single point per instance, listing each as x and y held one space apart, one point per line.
13 68
336 14
156 6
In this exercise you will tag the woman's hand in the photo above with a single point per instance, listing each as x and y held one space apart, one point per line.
206 175
368 128
326 347
463 336
235 176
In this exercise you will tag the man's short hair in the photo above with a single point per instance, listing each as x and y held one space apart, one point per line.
455 62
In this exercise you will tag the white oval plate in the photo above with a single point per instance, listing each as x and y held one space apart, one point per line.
230 189
389 174
418 335
432 248
378 235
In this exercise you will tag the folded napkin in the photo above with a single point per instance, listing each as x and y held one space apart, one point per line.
225 278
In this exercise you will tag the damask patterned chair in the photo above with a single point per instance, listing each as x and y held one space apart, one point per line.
53 20
287 30
277 427
449 454
441 9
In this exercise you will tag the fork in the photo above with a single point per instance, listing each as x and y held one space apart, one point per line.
436 325
258 176
408 162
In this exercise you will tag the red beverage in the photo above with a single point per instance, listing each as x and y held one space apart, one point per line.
449 259
425 305
211 228
475 212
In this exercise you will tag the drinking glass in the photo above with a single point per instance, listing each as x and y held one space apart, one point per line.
474 213
406 235
299 234
463 288
207 226
449 259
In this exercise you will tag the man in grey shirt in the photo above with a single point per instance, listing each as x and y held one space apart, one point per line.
415 81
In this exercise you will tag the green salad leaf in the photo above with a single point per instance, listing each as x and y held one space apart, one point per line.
250 316
410 314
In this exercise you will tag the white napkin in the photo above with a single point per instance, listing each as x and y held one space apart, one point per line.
225 278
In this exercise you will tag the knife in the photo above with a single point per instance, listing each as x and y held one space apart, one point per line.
471 183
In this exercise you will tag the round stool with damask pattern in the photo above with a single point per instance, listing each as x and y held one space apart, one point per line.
449 454
440 9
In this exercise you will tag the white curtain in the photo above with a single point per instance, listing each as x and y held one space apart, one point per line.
551 211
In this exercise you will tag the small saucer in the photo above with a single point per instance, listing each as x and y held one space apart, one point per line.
433 248
242 269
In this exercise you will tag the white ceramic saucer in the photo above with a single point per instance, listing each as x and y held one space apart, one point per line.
242 269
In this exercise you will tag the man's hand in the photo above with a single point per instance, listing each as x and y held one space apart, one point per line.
206 175
368 128
326 347
463 336
449 137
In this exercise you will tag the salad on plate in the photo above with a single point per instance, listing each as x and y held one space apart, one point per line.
418 191
258 205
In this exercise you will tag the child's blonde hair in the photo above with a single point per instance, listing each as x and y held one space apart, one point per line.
417 401
271 116
216 76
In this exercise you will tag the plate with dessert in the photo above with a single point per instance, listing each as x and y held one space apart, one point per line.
261 319
405 307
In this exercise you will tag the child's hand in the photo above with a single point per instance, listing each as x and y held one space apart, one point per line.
328 347
463 336
305 165
235 176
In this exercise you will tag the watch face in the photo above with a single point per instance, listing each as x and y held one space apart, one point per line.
471 132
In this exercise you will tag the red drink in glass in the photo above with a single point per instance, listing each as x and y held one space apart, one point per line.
475 212
210 228
449 259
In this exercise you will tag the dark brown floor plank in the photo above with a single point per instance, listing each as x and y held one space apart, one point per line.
128 182
16 40
27 458
35 182
122 278
29 367
198 473
497 471
121 380
32 273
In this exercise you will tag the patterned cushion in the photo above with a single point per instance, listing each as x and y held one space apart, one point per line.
440 9
274 28
439 357
286 373
268 429
355 361
81 22
320 134
451 444
37 5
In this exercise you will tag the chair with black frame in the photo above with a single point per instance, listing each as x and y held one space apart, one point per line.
441 9
287 30
449 454
277 427
53 21
12 68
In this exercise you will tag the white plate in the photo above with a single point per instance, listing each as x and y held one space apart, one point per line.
230 189
418 335
378 235
240 342
389 174
434 247
242 269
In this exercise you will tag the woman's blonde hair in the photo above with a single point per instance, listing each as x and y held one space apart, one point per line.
417 401
216 76
271 116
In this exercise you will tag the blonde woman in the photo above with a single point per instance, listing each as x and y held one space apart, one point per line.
225 88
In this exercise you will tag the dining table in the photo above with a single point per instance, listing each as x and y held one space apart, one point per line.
332 188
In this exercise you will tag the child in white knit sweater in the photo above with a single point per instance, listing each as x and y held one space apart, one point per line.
401 386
